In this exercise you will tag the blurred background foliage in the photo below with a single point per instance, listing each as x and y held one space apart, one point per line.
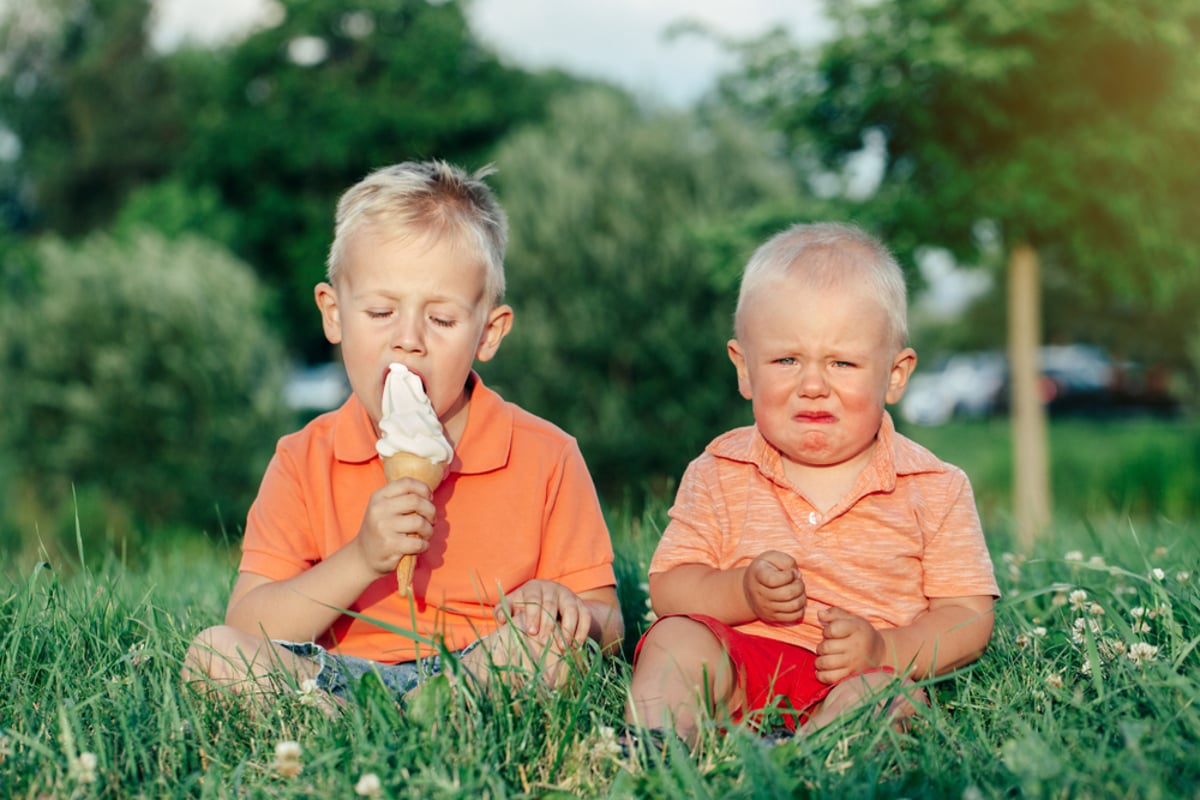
164 216
140 368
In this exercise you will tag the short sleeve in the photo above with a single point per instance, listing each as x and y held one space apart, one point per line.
279 543
695 532
576 548
956 561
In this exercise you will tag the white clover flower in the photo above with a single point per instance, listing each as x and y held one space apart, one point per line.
1059 599
1137 612
368 785
1096 610
138 654
1040 631
288 751
972 793
1082 624
1054 680
1141 626
1183 576
1141 652
1110 648
1074 555
309 694
1024 640
607 741
1096 561
1078 599
1158 574
83 768
287 759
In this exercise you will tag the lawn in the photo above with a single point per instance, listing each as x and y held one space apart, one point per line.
1090 689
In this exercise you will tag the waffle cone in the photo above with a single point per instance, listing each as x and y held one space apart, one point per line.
430 473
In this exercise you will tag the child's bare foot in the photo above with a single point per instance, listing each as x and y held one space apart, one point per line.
854 692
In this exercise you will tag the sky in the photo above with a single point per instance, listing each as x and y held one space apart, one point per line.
619 40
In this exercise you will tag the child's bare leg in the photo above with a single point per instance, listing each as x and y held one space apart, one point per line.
682 671
859 689
223 657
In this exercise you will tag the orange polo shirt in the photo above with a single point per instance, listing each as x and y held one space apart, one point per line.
906 533
518 504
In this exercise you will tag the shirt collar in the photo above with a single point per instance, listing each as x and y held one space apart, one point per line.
893 456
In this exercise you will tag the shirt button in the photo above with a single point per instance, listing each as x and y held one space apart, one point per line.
813 519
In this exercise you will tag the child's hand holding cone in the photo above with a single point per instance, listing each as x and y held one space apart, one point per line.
413 444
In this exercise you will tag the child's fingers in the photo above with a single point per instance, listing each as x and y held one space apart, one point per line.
833 614
575 621
838 628
527 615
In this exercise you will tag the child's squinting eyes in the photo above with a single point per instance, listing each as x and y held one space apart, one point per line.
441 322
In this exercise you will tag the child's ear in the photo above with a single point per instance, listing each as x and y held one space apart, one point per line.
902 368
497 326
331 317
738 358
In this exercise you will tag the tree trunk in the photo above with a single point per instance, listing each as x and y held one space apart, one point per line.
1031 475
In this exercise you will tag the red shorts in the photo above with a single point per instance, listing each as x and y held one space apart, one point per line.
779 679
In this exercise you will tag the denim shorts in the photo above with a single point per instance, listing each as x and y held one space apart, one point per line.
338 674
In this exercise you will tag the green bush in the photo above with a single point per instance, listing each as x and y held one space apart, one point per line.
622 311
138 370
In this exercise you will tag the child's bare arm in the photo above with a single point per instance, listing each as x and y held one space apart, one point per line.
303 607
952 633
770 588
608 626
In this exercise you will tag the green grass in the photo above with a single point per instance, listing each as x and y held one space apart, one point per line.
95 617
90 653
1144 468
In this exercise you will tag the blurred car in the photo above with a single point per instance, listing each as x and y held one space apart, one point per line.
1077 379
321 387
961 385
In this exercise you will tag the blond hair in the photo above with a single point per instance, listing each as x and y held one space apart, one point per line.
828 254
429 198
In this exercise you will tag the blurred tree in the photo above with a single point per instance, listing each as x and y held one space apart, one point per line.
273 126
142 367
1056 132
629 231
297 112
90 107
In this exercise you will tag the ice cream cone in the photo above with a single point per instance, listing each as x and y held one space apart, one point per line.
430 473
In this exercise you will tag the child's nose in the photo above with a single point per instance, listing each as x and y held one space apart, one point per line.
813 382
407 334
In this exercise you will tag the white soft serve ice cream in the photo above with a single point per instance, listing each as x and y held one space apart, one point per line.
409 424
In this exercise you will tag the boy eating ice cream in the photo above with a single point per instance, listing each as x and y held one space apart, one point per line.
513 557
